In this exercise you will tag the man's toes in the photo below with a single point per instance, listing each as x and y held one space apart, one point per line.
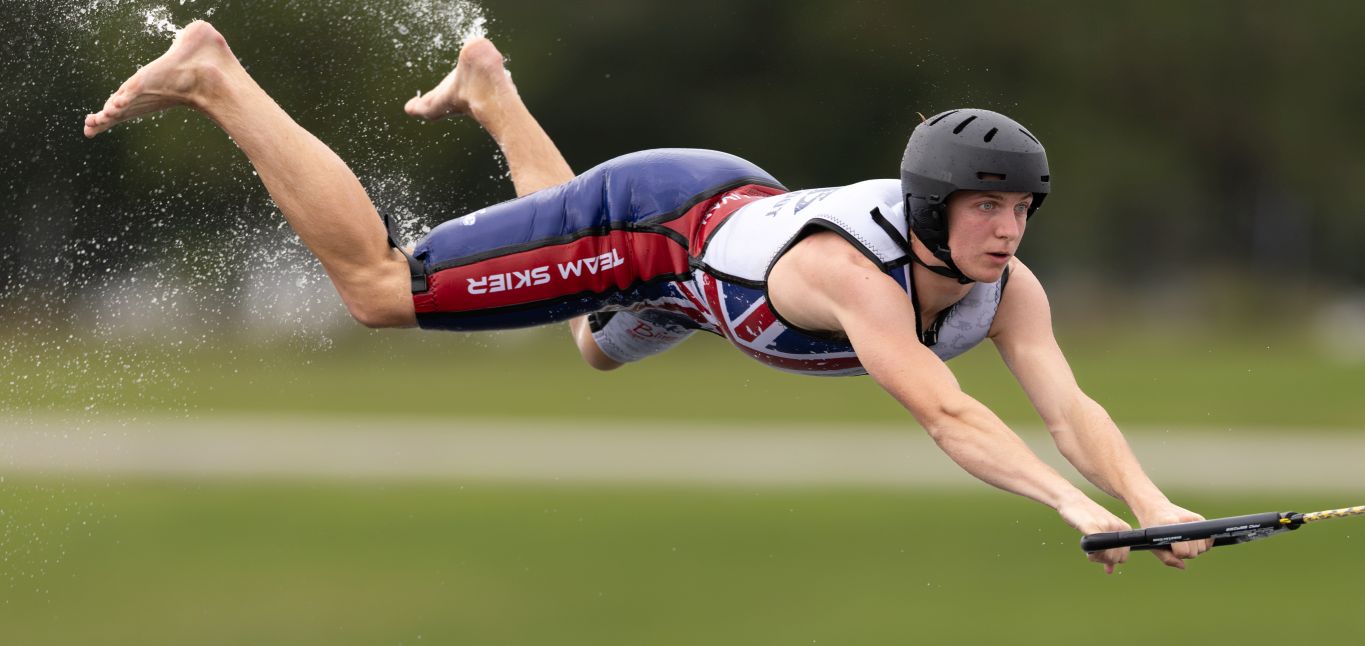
416 107
425 107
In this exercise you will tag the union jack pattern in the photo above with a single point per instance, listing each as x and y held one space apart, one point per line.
742 315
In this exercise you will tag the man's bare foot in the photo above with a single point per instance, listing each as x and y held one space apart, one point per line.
173 79
477 82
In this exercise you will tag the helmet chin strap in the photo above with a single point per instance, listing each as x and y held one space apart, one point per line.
929 225
951 271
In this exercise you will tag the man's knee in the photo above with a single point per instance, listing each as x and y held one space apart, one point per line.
381 298
376 316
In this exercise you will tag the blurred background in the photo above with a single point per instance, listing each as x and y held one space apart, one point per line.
1201 252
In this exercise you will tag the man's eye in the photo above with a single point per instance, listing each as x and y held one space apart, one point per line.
987 206
1022 208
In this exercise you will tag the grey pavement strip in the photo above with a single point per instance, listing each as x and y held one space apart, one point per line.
418 448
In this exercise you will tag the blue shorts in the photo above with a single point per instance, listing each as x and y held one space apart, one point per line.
612 236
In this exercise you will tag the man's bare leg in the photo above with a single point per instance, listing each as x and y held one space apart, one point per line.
319 196
481 88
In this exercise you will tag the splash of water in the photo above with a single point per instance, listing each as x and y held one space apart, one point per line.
433 30
158 21
98 323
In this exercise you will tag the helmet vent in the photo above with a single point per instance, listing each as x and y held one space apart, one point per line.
943 116
1046 178
991 135
993 177
960 126
1035 139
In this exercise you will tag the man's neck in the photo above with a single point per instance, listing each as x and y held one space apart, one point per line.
934 292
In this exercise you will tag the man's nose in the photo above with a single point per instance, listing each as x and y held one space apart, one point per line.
1009 228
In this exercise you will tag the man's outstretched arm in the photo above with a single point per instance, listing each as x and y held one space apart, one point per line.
1082 430
873 311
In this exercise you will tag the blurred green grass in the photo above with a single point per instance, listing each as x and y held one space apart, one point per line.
1236 381
146 562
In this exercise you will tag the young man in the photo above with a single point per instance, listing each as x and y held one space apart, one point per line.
642 250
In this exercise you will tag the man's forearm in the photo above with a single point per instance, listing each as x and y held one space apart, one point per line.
1093 443
985 447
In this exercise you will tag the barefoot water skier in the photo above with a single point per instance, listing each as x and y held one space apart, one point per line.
889 278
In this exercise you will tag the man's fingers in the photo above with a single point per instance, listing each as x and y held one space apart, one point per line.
1109 558
1169 558
1191 549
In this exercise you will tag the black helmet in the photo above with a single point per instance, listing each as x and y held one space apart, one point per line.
971 150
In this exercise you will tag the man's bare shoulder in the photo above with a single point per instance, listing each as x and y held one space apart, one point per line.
813 278
1023 302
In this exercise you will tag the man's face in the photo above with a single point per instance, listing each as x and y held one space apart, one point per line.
984 230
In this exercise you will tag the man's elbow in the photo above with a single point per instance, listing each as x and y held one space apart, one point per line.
1076 412
594 357
944 415
587 346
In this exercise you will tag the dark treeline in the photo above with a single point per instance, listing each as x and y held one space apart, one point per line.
1186 137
